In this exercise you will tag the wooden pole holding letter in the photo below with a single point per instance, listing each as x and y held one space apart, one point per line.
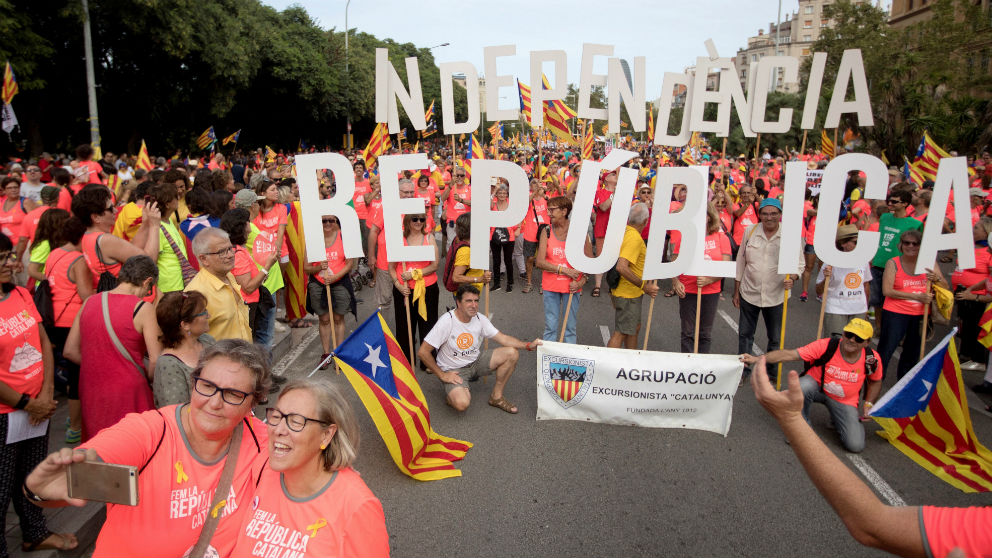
781 339
564 324
926 317
823 305
330 310
647 330
699 305
802 150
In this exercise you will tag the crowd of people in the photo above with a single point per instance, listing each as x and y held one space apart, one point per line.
160 290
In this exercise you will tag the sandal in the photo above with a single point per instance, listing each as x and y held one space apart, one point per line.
62 542
595 292
503 405
526 288
670 293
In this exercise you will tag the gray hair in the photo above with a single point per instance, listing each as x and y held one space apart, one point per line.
403 181
137 269
201 242
245 353
332 407
638 214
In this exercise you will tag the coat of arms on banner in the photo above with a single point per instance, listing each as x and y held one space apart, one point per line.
566 378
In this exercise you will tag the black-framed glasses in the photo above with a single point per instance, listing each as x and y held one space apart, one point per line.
329 221
222 252
418 219
294 421
207 389
853 337
910 243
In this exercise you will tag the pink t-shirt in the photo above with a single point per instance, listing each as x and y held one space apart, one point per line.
969 529
716 246
844 379
21 366
244 264
602 217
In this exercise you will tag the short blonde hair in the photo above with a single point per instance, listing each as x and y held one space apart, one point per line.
332 408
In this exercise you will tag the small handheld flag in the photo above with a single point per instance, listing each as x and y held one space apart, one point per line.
206 138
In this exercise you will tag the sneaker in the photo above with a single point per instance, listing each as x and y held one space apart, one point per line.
327 364
73 436
494 288
803 297
509 288
523 275
819 298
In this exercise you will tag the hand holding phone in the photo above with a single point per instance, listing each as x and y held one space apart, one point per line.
103 482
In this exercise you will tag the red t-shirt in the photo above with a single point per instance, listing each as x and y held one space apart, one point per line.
454 209
748 218
244 264
602 217
270 221
844 379
715 247
361 188
176 488
537 214
30 223
343 519
977 274
945 529
21 366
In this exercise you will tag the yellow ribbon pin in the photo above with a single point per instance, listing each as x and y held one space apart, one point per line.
220 505
320 523
181 475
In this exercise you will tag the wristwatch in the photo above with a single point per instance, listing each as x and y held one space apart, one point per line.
25 399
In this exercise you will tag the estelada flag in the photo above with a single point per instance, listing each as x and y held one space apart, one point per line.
650 124
233 137
379 372
928 156
588 142
9 85
144 161
925 416
524 92
826 144
206 138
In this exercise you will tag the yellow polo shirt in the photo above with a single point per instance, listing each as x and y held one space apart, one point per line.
633 250
228 311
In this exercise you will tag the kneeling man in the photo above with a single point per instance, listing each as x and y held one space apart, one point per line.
458 336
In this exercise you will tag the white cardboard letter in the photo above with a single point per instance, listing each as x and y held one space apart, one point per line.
314 208
617 90
813 90
852 67
828 212
952 176
412 100
661 136
448 98
729 89
483 217
495 81
690 221
393 208
759 95
587 80
538 94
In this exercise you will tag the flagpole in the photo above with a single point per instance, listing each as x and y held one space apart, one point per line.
823 303
486 286
926 317
723 150
647 330
802 150
835 150
757 147
781 337
699 304
568 306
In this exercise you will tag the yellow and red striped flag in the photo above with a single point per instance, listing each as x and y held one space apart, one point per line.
9 84
295 277
524 92
928 156
270 154
475 152
375 146
233 137
925 416
826 144
144 161
430 112
650 124
381 375
605 129
558 105
496 131
588 142
555 124
206 138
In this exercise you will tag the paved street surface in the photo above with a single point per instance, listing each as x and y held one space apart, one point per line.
564 488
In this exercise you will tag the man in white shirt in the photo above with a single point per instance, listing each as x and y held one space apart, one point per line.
458 337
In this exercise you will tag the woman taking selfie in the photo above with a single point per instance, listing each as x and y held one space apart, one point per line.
308 486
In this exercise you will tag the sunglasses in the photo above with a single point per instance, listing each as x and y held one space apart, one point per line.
418 219
853 337
329 221
910 243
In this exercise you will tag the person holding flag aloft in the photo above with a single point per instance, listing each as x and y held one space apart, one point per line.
838 367
562 284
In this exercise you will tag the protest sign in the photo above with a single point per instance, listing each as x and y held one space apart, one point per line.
636 388
813 180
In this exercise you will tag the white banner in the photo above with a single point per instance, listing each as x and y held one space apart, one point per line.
636 388
813 180
9 119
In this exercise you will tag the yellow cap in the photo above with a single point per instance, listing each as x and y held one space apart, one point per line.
860 327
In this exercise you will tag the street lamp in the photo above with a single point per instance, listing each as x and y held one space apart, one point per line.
347 77
435 46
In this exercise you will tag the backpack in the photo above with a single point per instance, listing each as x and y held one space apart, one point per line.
871 363
107 280
43 302
449 265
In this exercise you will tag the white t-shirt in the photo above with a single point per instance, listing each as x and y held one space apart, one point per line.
459 344
33 193
846 292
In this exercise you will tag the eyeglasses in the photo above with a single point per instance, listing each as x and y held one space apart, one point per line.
459 176
207 389
418 219
853 337
222 252
294 421
893 201
8 257
910 243
329 221
34 170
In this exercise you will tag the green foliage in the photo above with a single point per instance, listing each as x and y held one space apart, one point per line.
167 69
927 76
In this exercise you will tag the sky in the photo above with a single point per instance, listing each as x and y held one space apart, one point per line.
670 35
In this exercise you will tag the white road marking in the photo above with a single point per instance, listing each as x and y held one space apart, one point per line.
883 489
733 325
605 332
280 368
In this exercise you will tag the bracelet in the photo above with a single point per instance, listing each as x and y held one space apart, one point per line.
528 347
559 269
23 402
29 494
264 271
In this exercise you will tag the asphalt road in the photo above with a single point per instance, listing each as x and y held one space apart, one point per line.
563 488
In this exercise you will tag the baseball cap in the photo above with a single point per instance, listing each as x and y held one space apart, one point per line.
860 327
846 231
245 198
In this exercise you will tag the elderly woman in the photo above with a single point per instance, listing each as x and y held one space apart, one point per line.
184 321
111 335
968 286
312 442
716 247
562 284
181 452
334 270
406 276
26 386
907 298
